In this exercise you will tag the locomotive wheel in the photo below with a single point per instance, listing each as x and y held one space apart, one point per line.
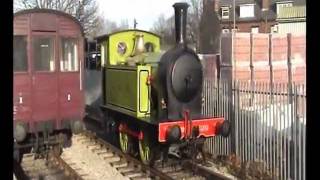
225 129
145 150
126 142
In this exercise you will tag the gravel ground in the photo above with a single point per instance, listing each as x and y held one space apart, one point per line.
220 170
37 169
91 165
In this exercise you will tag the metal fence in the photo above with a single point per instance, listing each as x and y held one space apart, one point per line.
269 124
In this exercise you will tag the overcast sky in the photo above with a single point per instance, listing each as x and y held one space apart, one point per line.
146 12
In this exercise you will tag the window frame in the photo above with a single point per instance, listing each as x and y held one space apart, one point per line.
54 38
255 27
280 5
274 28
225 9
102 55
28 55
246 5
60 53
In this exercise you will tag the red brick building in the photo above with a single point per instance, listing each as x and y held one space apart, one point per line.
279 58
257 16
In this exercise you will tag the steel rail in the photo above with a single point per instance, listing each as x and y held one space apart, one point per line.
207 173
18 171
144 168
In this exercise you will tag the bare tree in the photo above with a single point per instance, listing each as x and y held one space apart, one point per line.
124 24
84 10
193 23
107 26
209 29
165 29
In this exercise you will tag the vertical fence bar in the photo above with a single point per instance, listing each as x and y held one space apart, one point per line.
263 140
246 130
241 122
289 37
236 103
299 129
271 66
304 131
297 132
258 124
283 119
290 96
256 116
291 134
273 138
251 67
268 137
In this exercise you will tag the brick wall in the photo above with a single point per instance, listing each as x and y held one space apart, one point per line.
264 57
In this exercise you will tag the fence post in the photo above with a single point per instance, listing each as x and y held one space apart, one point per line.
290 94
296 144
232 116
271 67
226 76
236 109
251 69
289 67
218 67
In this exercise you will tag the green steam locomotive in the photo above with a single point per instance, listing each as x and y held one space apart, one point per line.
152 99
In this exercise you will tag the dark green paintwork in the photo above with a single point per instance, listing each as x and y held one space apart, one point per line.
122 87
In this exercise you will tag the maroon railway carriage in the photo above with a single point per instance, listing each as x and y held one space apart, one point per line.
48 71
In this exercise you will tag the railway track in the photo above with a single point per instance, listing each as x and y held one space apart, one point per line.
54 168
91 158
131 168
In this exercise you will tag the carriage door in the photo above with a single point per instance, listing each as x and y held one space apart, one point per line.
44 78
70 79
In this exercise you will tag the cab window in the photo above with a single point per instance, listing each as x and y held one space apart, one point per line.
43 53
20 57
69 55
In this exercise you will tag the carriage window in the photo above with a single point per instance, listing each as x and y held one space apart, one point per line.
69 55
43 53
20 58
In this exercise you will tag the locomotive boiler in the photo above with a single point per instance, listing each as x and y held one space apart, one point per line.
152 99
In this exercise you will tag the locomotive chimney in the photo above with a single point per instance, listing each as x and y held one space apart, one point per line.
180 10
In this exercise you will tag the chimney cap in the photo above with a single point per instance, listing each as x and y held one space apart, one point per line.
181 5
